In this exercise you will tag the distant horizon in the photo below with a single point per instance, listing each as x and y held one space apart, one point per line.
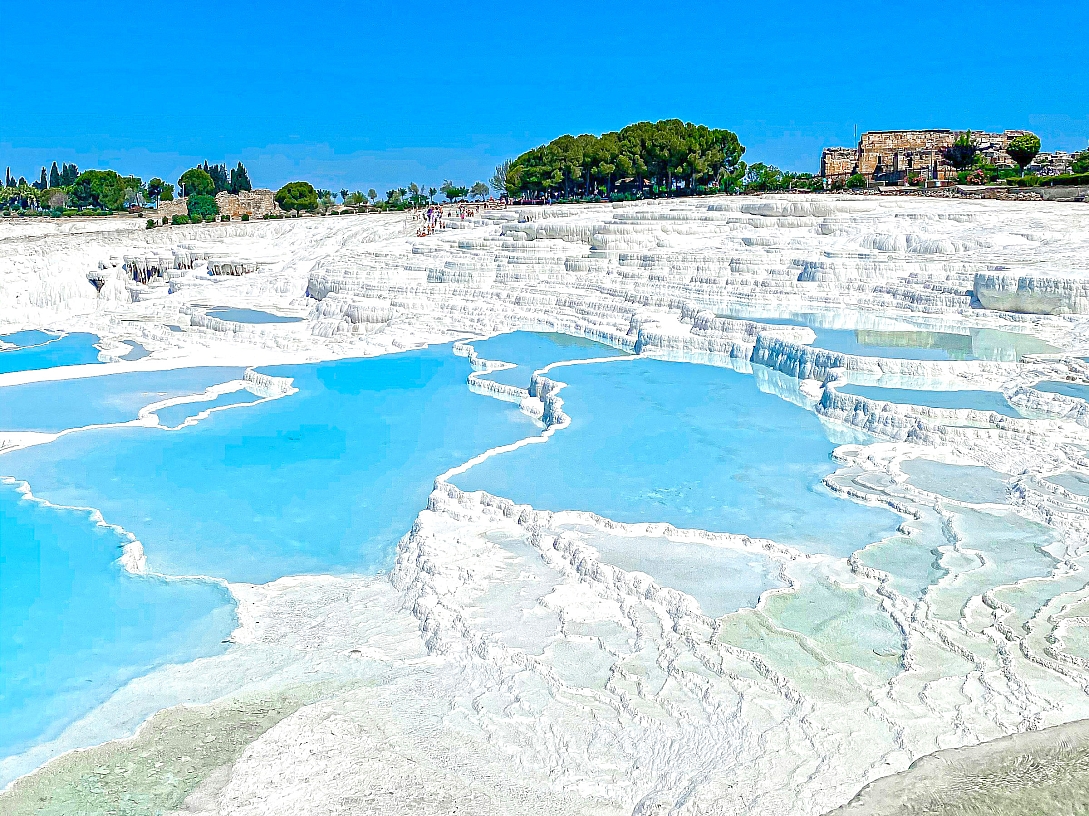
384 95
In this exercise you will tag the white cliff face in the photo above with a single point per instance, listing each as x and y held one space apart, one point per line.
505 665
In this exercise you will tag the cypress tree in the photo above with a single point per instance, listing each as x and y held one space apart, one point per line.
54 176
43 182
8 180
240 179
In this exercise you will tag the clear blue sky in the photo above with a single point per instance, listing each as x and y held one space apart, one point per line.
377 94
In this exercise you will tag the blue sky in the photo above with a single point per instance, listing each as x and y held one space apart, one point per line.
376 94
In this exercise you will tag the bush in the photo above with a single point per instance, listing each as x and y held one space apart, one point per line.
209 219
1051 181
245 216
224 218
299 196
179 219
856 182
201 206
151 223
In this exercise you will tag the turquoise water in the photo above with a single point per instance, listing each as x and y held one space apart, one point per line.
696 446
137 352
74 627
324 480
532 351
719 579
1073 481
977 400
29 337
966 483
174 415
1067 389
908 344
61 404
249 316
72 349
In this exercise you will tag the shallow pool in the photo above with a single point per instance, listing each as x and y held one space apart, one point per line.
26 338
1067 389
174 415
57 405
976 400
74 627
235 315
71 349
325 480
900 342
696 446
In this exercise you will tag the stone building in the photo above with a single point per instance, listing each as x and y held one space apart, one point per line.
254 203
1051 164
891 156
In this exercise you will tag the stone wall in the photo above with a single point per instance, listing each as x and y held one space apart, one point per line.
889 156
254 203
166 209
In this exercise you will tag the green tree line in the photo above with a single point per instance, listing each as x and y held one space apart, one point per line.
667 157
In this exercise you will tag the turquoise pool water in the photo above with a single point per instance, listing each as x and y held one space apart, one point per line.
696 446
324 480
908 344
61 404
137 352
967 483
28 337
174 415
1067 389
249 316
74 627
72 349
532 351
977 400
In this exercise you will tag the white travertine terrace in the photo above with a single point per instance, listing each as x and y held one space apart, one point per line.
504 665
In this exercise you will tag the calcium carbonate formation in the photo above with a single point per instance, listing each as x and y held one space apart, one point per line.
505 666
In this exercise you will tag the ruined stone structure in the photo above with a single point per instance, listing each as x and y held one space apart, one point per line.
167 209
254 203
890 156
1051 164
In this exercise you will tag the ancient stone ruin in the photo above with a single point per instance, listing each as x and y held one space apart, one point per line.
254 203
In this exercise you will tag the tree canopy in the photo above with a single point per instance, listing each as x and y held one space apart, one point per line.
672 155
961 153
200 205
299 196
240 179
196 182
1023 149
104 189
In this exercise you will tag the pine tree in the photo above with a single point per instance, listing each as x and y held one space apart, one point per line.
54 176
240 179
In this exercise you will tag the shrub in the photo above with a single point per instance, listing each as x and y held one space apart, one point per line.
166 220
209 219
856 182
299 196
224 218
201 206
245 216
179 219
151 223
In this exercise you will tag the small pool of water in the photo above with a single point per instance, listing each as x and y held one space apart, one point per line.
697 446
976 400
532 351
26 338
236 315
324 480
137 352
966 483
174 415
719 579
1077 483
1067 389
58 405
898 342
71 349
75 627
